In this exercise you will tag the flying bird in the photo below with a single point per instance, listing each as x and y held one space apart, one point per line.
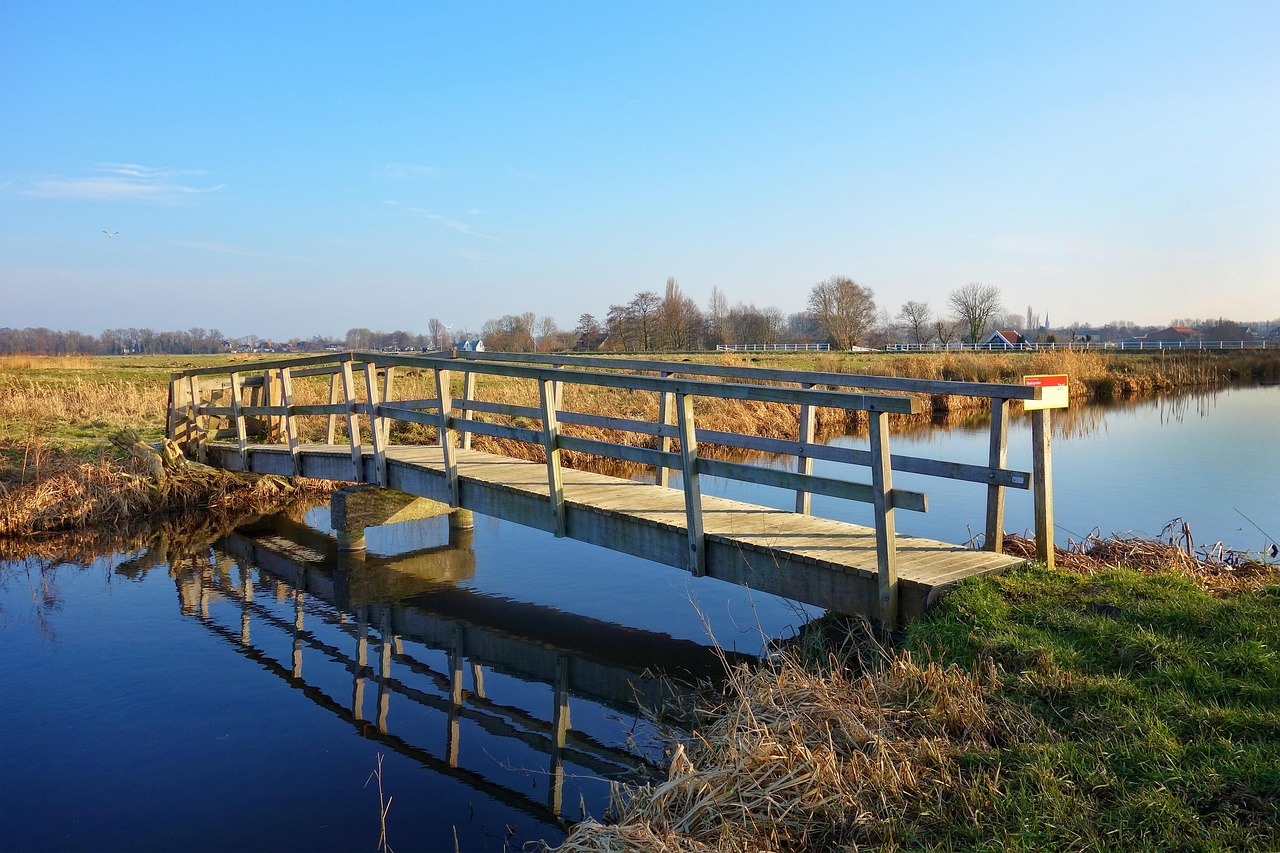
111 233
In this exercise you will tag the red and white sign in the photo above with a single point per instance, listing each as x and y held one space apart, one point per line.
1053 391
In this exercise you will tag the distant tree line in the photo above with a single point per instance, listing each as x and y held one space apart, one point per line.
839 312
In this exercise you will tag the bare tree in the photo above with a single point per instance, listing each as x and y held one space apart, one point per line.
438 333
975 305
643 310
844 309
680 321
717 318
944 330
917 319
545 331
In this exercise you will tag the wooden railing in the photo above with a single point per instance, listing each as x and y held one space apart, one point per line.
262 392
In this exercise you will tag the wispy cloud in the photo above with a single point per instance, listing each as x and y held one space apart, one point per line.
405 171
461 227
123 182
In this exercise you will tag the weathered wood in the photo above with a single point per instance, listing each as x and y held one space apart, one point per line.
804 461
692 490
997 455
886 533
665 414
1042 492
377 430
353 425
727 390
862 492
290 425
237 415
330 435
769 374
468 401
551 444
445 428
756 550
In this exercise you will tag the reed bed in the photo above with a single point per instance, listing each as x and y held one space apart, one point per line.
1213 568
52 490
798 760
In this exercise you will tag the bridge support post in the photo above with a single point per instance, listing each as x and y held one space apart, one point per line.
998 455
1042 483
692 489
804 462
354 508
886 533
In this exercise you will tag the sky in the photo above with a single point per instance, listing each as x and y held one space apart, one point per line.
291 169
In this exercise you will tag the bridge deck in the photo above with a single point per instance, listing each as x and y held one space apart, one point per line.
828 563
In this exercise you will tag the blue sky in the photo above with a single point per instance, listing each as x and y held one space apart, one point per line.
290 169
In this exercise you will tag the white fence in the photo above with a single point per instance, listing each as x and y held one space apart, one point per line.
1089 345
773 347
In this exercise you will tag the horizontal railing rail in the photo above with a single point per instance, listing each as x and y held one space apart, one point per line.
257 397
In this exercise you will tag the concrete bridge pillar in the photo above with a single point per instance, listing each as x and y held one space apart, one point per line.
353 508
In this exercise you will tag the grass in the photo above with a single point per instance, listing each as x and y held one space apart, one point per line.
1034 711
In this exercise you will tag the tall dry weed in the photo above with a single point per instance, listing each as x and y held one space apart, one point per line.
794 760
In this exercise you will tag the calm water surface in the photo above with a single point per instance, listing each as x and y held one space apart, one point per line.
236 694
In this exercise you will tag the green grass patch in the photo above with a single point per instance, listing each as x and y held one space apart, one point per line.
1158 706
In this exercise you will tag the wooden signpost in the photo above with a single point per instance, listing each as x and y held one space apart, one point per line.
1053 395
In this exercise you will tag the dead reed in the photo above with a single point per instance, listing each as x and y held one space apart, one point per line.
1213 568
54 490
790 759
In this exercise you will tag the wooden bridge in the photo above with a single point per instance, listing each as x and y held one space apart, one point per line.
870 571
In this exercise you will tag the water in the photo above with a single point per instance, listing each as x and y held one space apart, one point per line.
216 696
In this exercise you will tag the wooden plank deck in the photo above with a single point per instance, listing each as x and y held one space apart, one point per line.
819 561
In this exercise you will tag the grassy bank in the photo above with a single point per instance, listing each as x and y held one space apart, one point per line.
1035 711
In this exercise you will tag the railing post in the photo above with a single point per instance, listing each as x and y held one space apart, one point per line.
665 412
377 430
353 423
886 547
450 460
331 433
1042 483
804 462
387 385
692 490
547 396
290 425
196 393
996 458
237 415
468 394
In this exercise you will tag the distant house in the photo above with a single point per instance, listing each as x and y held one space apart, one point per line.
1173 333
1007 339
470 345
1274 334
591 342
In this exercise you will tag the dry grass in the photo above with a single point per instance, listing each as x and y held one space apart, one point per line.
46 362
797 760
53 490
1214 568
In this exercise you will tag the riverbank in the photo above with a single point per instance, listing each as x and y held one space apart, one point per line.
1036 710
58 472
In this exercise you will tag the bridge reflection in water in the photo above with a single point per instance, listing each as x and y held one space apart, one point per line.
350 632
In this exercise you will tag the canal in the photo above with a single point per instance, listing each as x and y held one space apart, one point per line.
235 690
